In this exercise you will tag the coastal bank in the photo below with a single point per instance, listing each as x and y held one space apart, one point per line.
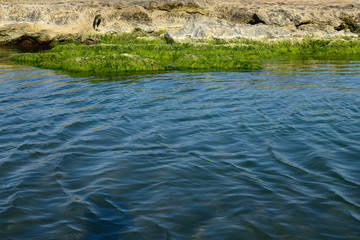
40 22
114 37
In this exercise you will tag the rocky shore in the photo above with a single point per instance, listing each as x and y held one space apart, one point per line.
40 22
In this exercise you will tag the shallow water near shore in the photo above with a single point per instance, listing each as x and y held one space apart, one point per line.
268 154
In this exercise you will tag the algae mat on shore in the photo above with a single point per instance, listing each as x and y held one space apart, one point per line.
118 54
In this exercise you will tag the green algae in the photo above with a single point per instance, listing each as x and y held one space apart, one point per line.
141 52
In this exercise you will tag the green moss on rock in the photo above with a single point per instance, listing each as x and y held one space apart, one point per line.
138 52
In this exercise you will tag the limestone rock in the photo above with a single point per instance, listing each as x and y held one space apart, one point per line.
189 6
222 29
235 14
39 22
24 34
277 17
135 14
175 19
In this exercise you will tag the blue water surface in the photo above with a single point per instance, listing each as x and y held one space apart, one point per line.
270 154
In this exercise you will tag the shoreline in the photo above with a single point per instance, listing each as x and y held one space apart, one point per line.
40 23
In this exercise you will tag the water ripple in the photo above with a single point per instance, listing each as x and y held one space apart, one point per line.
271 154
